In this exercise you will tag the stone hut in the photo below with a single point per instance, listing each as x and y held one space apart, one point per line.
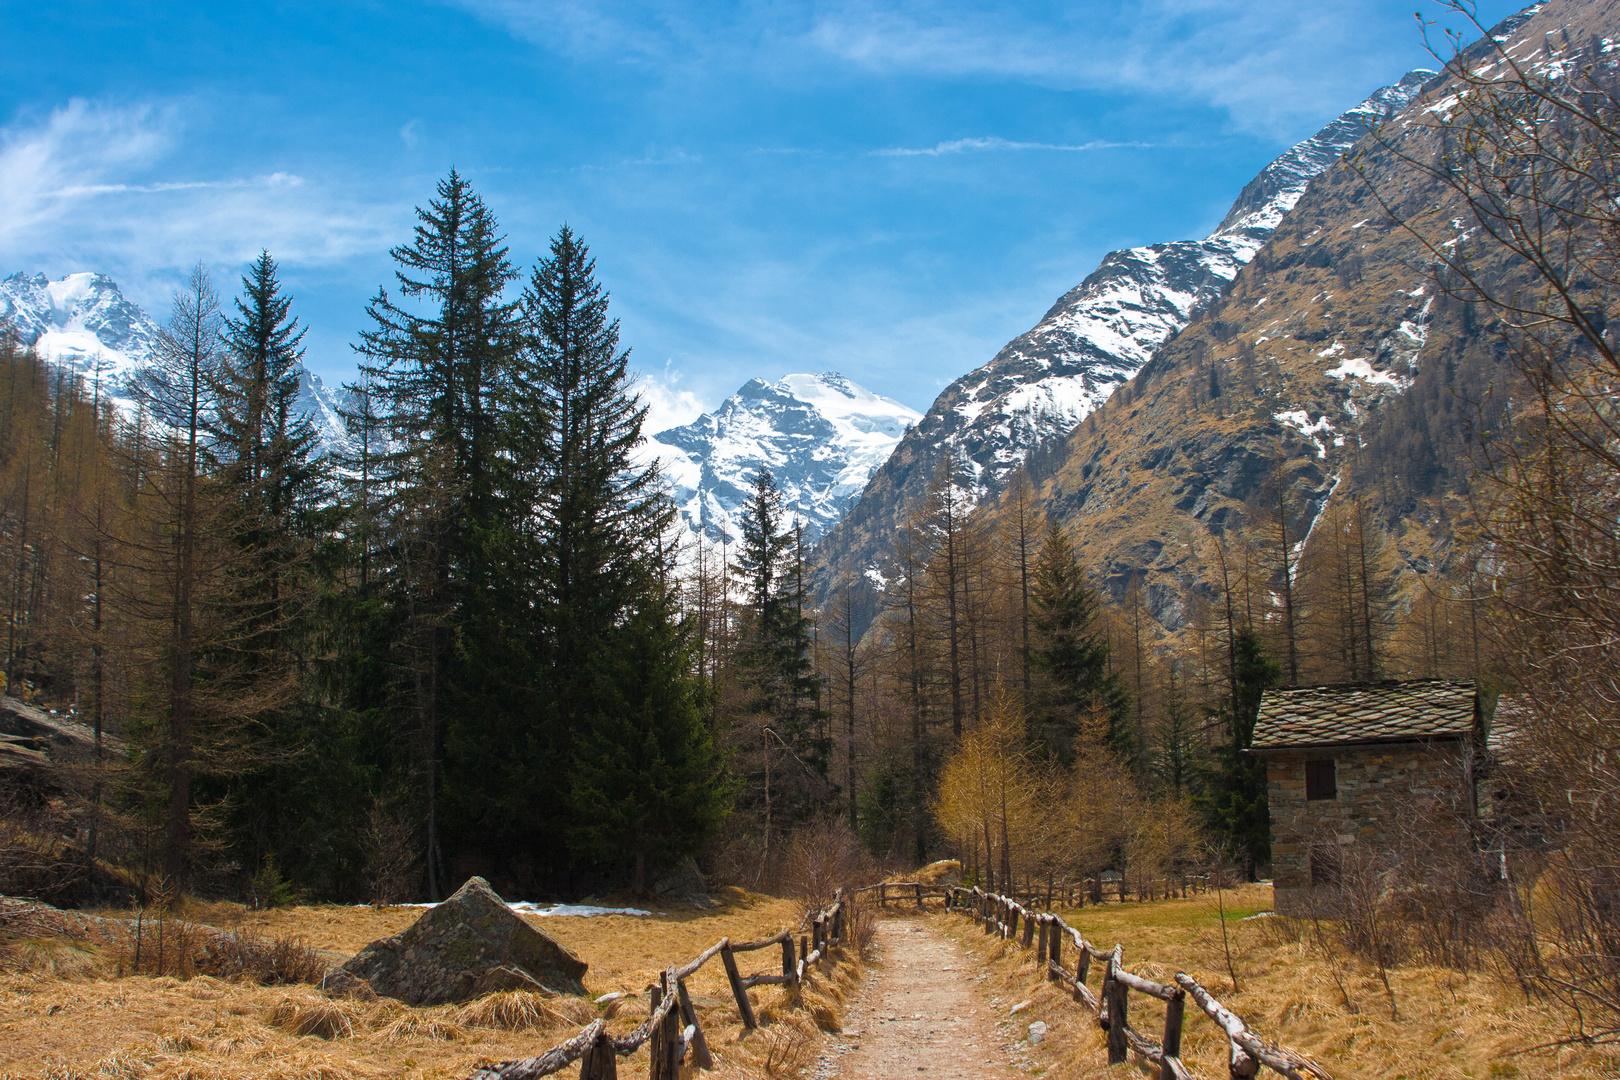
1347 764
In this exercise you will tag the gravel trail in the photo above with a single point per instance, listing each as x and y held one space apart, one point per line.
919 1013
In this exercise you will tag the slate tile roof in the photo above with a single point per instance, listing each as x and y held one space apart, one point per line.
1364 713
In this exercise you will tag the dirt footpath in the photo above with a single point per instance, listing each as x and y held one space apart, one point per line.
919 1011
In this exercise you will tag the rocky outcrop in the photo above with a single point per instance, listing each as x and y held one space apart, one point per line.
468 946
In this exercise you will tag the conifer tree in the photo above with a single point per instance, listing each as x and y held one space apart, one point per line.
776 664
620 702
263 456
434 376
1072 651
1233 796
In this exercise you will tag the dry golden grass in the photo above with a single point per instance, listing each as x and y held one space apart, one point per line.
66 1015
1449 1025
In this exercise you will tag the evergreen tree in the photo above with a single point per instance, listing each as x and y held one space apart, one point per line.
434 378
263 455
648 784
788 725
1071 650
1233 796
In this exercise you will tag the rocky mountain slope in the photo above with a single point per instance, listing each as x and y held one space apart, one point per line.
1332 369
85 323
822 437
1096 337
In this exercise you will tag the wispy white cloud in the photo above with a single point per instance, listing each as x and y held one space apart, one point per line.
668 403
46 165
1270 63
991 143
93 185
1274 65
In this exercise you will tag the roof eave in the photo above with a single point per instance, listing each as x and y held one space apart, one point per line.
1447 737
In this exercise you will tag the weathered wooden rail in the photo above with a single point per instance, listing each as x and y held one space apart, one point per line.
672 1029
1120 888
903 891
1046 933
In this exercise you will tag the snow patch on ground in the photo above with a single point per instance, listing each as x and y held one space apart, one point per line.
1361 368
547 911
1315 430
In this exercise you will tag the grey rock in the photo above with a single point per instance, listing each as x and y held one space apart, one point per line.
684 880
1037 1032
470 945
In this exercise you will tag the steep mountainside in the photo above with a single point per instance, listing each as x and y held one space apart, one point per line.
822 436
1097 336
84 321
1331 369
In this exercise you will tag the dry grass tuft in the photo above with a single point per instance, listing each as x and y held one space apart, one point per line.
51 957
510 1010
936 872
787 1051
419 1025
321 1017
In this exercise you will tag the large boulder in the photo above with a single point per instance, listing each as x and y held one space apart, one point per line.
470 945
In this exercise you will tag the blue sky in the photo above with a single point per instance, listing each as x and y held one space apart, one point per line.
890 190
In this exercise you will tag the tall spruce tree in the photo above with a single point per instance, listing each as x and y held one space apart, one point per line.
434 375
787 767
263 455
618 698
1232 795
1071 650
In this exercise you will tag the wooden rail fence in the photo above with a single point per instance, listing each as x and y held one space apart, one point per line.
1047 932
671 1029
904 891
1121 888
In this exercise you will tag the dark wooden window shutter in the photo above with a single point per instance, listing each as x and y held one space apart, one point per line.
1320 780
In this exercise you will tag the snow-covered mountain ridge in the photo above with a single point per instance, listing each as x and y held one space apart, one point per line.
822 436
84 323
1101 332
1044 383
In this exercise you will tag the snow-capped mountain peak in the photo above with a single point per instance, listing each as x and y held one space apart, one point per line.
83 322
79 320
822 436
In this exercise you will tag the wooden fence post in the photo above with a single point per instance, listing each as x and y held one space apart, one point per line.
790 971
919 896
1114 993
1054 949
664 1045
700 1046
1012 922
883 895
1040 948
1173 1012
745 1008
600 1062
1030 919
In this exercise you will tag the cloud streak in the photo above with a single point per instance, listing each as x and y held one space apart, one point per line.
77 189
995 143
